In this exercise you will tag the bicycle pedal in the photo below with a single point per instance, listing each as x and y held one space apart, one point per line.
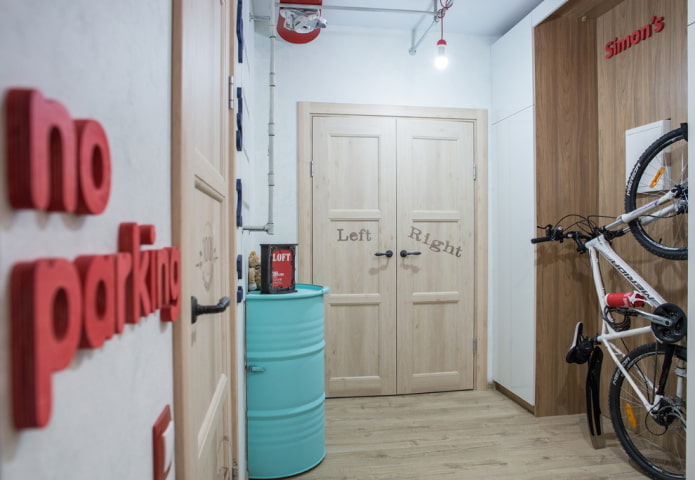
580 348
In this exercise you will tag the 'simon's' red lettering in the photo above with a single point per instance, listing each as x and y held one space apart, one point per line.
58 306
54 163
618 45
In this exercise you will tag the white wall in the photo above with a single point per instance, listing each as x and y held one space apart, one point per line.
109 61
364 66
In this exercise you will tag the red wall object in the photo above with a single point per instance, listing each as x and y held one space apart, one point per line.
159 445
46 312
97 273
171 303
58 306
94 161
295 37
618 45
53 163
130 237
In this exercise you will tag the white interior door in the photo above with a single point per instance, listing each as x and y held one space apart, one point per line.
203 350
398 324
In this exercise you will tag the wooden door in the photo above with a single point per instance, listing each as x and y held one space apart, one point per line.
395 324
354 190
203 350
436 219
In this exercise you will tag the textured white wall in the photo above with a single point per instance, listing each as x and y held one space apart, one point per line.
364 66
110 61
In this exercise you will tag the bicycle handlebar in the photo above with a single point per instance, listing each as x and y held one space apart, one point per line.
552 234
557 234
541 239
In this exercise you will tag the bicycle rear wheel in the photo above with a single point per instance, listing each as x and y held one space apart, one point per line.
654 440
662 166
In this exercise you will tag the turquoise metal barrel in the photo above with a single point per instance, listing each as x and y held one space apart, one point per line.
284 381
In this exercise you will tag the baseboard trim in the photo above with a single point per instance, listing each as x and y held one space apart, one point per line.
517 399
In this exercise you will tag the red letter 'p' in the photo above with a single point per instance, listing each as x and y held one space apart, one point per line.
46 310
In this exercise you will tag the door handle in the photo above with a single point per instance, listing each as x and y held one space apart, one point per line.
387 253
405 253
197 309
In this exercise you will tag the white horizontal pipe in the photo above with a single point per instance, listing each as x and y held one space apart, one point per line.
356 9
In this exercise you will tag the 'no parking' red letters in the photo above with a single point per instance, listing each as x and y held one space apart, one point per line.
58 305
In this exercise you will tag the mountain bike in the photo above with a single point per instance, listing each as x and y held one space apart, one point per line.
647 392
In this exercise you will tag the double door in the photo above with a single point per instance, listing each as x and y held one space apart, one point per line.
393 236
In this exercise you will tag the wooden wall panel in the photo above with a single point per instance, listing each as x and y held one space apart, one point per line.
640 85
584 104
566 169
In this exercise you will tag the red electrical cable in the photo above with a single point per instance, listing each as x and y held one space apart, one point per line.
440 14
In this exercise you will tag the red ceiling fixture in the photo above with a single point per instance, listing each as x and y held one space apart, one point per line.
300 26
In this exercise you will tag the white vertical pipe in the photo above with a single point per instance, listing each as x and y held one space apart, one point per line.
271 119
269 226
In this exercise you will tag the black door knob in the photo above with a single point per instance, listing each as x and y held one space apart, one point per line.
405 253
387 253
197 309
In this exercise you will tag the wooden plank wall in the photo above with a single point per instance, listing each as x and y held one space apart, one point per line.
646 83
566 182
584 104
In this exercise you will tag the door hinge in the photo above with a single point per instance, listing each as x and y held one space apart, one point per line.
475 345
475 172
235 472
230 92
313 167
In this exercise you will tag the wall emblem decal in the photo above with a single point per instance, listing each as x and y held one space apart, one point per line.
207 256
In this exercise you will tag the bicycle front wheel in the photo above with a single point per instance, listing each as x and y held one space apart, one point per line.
654 439
662 166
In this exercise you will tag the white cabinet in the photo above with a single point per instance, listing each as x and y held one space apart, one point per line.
512 71
512 206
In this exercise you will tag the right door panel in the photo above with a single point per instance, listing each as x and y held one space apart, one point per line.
436 218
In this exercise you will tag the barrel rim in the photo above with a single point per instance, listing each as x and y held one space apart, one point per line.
303 290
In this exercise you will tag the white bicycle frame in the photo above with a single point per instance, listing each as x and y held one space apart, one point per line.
601 246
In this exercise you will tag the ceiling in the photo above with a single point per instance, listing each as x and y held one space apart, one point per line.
474 17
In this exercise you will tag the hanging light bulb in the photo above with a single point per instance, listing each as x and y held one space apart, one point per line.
441 61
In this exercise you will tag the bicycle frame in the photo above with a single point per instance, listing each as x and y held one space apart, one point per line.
600 246
648 210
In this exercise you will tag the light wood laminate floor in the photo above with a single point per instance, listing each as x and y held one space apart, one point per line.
460 435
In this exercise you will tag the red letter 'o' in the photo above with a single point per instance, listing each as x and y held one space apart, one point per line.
94 164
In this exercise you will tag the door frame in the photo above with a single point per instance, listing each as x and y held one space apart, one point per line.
305 113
